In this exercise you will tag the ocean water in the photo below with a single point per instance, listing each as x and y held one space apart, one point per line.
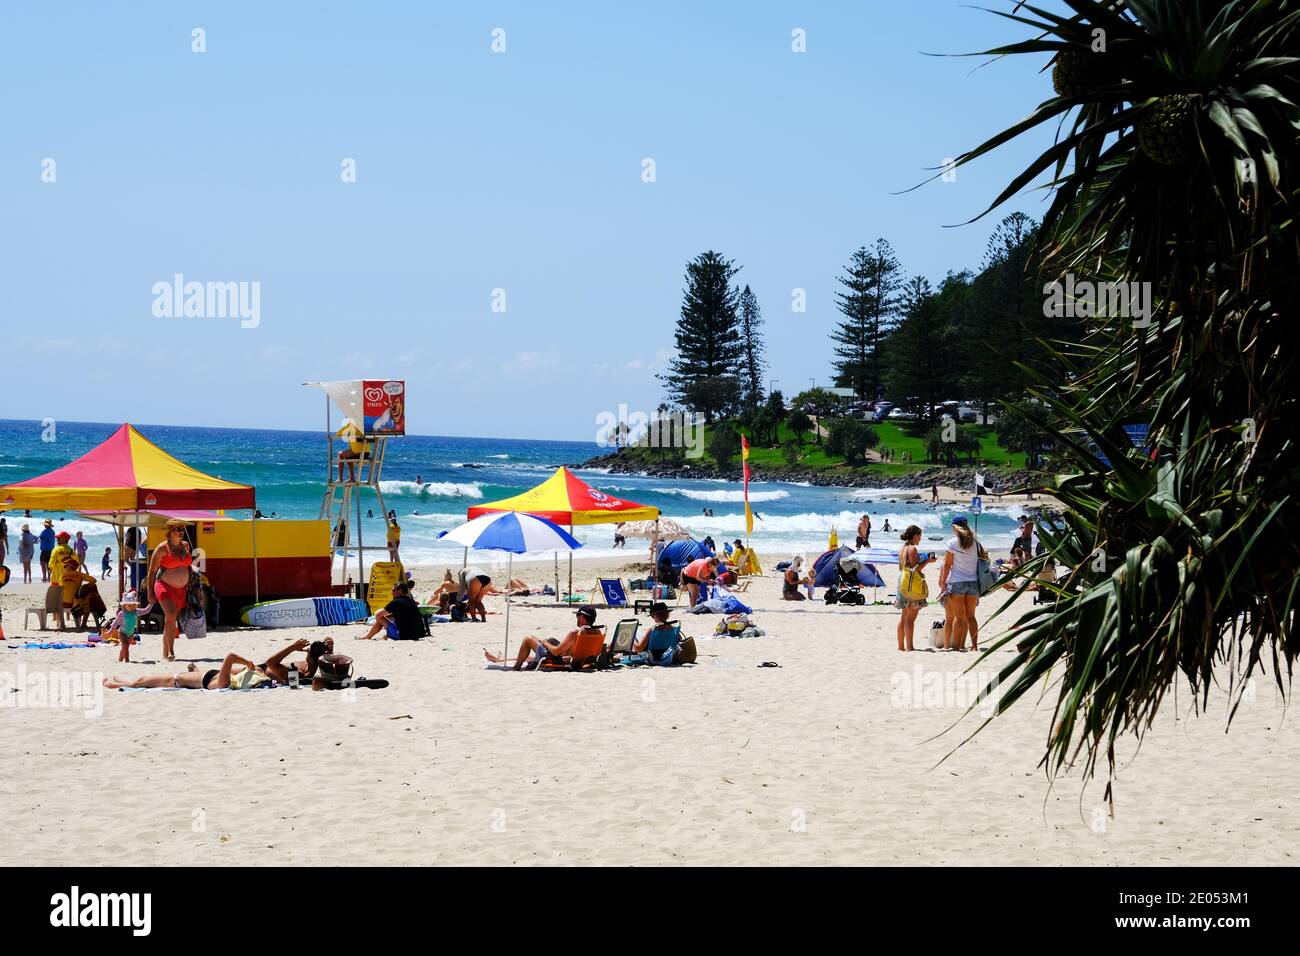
288 469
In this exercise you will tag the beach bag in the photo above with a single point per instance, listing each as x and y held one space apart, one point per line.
911 582
984 572
193 624
458 614
734 625
334 668
686 652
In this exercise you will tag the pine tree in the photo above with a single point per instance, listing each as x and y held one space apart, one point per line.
1009 301
920 351
870 309
751 320
703 376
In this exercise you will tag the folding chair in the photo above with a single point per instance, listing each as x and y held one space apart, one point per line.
624 637
586 650
612 588
663 639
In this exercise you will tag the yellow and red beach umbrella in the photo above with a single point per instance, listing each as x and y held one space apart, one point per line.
566 499
125 472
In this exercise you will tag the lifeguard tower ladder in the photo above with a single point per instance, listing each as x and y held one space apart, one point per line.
342 502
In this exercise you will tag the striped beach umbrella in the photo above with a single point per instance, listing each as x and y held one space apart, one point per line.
514 533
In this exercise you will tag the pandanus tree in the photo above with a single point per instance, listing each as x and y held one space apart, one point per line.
1174 167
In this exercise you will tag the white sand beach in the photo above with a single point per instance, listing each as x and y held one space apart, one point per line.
832 758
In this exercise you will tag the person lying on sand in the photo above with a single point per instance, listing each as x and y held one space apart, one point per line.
538 649
191 678
517 588
276 668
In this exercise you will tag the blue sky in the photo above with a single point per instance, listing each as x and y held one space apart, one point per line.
475 171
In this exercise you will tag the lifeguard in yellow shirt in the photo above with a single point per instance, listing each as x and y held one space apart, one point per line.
355 448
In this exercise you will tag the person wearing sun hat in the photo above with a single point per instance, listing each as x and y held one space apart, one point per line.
54 562
959 577
47 545
26 551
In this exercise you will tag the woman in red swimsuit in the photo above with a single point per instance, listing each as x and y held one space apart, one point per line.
171 563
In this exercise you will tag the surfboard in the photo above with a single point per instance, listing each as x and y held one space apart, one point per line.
305 612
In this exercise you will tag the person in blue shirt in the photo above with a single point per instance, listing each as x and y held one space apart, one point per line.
47 546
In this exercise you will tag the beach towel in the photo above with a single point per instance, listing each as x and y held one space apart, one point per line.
715 606
51 646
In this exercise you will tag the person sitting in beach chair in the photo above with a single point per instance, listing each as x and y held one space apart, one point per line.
76 606
1043 581
659 615
536 652
663 644
400 619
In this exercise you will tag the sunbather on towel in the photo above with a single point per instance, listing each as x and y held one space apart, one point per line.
534 650
191 679
276 668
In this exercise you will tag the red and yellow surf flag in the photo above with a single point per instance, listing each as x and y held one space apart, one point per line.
744 465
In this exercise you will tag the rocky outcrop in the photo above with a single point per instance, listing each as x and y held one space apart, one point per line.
962 477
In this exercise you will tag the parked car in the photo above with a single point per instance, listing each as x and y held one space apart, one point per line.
900 415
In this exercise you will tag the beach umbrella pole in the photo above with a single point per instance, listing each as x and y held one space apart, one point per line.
510 567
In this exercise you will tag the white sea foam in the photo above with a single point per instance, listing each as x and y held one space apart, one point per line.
723 496
430 489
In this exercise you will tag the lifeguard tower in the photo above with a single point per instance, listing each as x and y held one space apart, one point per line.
374 410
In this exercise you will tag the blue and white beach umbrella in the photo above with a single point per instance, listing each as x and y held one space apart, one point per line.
515 533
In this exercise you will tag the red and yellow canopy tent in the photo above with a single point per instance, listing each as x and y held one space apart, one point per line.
566 499
126 478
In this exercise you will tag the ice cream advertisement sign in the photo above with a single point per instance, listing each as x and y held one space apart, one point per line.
384 407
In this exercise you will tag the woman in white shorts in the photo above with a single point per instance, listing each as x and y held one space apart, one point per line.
959 577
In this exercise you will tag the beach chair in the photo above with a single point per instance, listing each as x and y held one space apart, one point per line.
612 589
661 640
586 651
624 637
